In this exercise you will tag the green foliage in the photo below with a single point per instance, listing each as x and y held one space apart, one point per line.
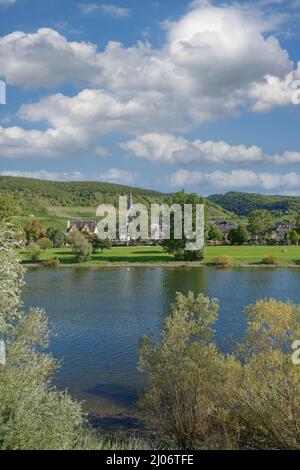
34 415
34 230
178 247
242 204
56 235
215 234
200 398
98 244
51 263
270 259
8 206
181 369
80 193
81 247
293 237
56 202
45 243
265 400
260 224
238 236
223 260
33 251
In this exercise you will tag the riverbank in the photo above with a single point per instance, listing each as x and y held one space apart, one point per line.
241 256
163 265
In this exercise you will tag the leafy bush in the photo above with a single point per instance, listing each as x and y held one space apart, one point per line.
223 260
183 370
81 247
33 231
57 236
33 251
34 415
45 243
51 263
201 398
270 259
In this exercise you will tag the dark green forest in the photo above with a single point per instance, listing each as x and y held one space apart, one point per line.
242 204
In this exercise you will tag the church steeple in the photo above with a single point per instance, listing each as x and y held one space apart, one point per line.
130 202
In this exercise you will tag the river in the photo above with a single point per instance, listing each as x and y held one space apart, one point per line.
98 316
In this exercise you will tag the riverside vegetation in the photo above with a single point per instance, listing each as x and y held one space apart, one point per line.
33 413
196 397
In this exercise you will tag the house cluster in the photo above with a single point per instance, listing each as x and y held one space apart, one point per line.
86 226
279 233
89 226
281 229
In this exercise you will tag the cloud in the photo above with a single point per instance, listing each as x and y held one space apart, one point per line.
236 180
45 175
45 58
209 65
88 8
215 61
16 142
7 2
113 10
274 92
167 148
116 175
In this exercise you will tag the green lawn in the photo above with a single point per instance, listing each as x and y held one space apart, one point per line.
240 255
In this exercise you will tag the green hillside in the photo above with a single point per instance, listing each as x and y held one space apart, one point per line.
242 204
54 202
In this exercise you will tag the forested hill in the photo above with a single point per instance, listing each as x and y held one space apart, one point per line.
46 199
81 193
242 204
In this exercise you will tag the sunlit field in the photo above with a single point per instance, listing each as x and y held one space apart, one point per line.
153 254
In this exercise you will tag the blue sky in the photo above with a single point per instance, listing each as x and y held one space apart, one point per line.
162 94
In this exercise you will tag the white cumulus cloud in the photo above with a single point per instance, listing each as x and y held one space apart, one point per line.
236 180
167 148
211 63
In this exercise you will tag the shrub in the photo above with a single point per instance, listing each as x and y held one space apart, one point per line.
81 247
201 398
57 236
45 243
183 371
270 259
33 251
223 260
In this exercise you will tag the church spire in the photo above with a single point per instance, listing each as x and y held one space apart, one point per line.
130 202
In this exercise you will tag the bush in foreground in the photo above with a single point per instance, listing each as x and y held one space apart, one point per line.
33 413
200 398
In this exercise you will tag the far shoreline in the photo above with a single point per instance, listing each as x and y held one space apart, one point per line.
171 264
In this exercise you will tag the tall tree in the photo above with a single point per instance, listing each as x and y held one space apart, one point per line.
8 206
81 247
34 230
238 236
260 223
177 247
57 236
215 234
293 237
